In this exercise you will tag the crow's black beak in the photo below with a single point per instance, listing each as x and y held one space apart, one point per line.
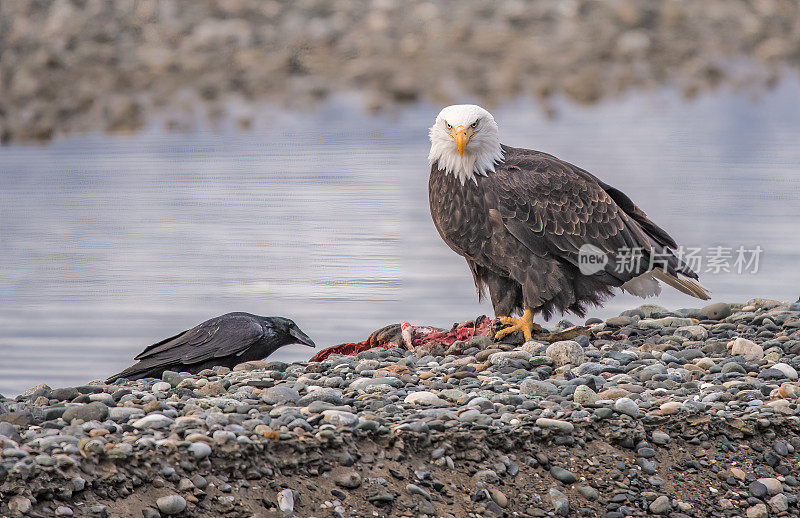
301 337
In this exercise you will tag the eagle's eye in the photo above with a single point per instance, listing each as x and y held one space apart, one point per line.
474 125
447 125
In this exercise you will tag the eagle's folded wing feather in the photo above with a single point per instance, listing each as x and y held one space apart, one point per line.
554 207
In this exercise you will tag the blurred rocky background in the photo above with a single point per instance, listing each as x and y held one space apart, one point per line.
71 66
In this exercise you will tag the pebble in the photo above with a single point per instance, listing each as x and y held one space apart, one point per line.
340 418
746 348
95 411
171 504
121 413
19 505
533 387
757 511
626 406
717 311
10 431
153 421
559 502
349 480
563 475
286 501
773 485
161 386
779 503
679 383
660 438
567 352
584 395
660 505
555 424
670 407
280 394
416 490
200 450
498 497
588 492
787 370
424 398
173 378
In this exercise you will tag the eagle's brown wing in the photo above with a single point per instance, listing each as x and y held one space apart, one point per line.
553 207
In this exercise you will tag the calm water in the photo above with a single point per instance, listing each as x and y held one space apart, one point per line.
110 243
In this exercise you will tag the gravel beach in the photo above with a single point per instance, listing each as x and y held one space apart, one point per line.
69 66
691 412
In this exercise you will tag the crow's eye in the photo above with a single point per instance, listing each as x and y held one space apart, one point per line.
474 125
447 124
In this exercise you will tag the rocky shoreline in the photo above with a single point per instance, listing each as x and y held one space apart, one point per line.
692 412
70 66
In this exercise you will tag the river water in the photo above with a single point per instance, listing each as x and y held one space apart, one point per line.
112 242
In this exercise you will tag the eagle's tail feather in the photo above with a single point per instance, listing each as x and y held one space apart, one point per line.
684 285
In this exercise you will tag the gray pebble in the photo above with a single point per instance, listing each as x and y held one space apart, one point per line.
563 475
171 504
200 450
95 411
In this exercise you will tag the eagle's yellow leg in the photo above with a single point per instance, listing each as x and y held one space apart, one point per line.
523 323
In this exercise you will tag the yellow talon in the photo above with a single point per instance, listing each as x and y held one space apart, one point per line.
524 324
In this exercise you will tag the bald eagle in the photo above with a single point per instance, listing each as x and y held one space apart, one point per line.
541 234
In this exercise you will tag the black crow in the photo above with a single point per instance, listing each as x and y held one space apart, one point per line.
226 340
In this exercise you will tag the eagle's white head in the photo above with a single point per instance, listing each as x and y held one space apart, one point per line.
465 141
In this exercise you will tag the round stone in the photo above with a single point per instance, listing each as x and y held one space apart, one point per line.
280 394
340 418
757 489
748 349
660 505
716 311
563 475
498 497
559 502
424 398
583 395
660 438
773 485
757 511
556 424
200 450
171 504
153 421
671 407
286 501
566 352
588 492
647 453
534 387
787 370
161 386
349 480
95 411
626 406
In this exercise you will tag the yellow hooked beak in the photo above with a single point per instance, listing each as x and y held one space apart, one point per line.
461 138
